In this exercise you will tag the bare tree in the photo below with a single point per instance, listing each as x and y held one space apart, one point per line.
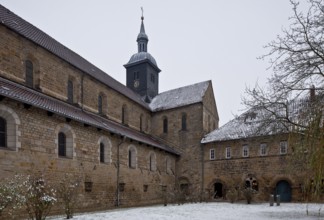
293 100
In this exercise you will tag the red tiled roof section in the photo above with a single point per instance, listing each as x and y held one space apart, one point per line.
27 30
34 98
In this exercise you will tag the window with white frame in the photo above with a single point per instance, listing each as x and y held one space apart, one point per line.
263 149
212 154
283 147
228 153
245 151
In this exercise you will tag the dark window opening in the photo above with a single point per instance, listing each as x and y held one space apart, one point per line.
165 125
29 73
136 75
184 187
62 144
145 187
102 153
121 187
152 78
184 122
100 104
141 123
70 91
3 132
123 114
88 186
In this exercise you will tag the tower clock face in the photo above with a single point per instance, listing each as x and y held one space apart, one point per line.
136 83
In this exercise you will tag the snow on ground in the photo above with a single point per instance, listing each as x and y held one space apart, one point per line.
208 211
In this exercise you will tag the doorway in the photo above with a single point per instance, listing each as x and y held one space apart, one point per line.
283 189
218 190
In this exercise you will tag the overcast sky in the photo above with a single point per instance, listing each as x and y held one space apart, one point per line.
192 41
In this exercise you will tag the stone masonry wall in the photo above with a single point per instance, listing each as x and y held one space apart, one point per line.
268 170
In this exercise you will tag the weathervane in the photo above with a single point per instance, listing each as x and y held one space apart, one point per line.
142 13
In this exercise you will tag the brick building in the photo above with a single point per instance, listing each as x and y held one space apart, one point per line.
61 114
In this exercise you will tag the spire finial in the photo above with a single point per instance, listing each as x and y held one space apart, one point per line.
142 13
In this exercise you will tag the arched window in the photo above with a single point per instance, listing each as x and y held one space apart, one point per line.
62 144
9 128
165 125
152 162
100 104
29 73
102 153
132 157
124 114
168 168
184 122
65 141
3 132
70 91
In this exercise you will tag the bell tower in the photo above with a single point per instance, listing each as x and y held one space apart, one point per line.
142 72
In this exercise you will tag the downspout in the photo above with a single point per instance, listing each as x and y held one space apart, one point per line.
118 170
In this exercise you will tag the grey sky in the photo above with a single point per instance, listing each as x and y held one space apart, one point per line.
192 41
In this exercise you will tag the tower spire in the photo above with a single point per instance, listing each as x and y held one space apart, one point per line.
142 38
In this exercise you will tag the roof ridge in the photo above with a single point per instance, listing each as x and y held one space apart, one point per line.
39 37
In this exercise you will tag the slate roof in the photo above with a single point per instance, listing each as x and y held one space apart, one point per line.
29 31
183 96
249 124
37 99
141 56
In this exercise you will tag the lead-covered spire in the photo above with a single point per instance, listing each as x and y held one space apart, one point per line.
142 38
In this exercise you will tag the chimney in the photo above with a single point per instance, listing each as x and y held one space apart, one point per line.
312 93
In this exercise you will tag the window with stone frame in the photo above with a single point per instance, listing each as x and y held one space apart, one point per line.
263 149
184 122
70 91
29 73
9 129
3 132
228 153
152 162
132 157
252 183
245 151
212 155
65 137
100 104
168 168
141 122
165 125
61 144
124 115
283 147
102 152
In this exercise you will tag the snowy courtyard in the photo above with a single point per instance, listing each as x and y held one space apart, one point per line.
208 211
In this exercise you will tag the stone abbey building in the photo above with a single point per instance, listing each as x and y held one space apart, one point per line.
61 114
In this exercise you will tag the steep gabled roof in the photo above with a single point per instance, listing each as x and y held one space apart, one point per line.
30 32
37 99
179 97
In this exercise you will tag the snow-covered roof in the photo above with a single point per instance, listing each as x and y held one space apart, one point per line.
179 97
268 120
249 124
